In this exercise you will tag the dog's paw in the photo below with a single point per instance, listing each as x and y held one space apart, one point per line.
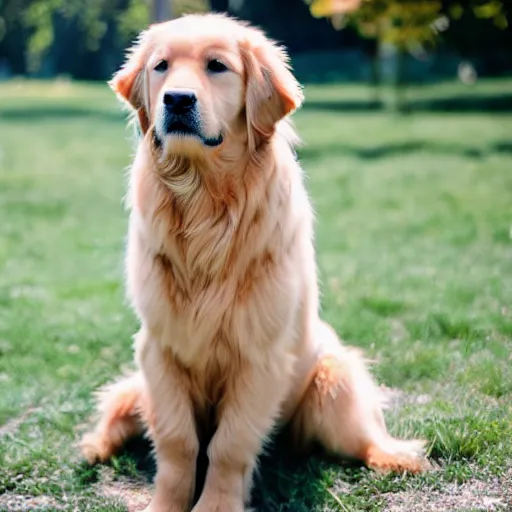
153 507
382 461
168 507
95 448
219 503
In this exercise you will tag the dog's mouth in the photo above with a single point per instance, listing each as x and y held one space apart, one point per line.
179 127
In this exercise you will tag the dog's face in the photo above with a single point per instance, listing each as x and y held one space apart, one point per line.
200 80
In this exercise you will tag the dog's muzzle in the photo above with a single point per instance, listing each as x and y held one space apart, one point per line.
182 118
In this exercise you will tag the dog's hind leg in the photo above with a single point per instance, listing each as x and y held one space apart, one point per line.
342 410
122 407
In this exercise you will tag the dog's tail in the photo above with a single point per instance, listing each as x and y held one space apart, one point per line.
123 409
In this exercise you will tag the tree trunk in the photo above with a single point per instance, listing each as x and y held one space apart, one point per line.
400 80
375 72
161 10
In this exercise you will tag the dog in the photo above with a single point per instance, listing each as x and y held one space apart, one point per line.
221 273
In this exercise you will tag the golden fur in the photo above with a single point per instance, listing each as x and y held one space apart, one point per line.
221 272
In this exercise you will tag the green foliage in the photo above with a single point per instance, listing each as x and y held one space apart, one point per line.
133 18
137 14
39 19
404 22
92 18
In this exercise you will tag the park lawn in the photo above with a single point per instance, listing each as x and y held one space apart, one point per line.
414 238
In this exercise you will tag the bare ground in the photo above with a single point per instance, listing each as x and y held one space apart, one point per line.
494 495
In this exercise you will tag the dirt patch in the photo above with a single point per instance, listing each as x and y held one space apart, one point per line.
20 503
135 494
491 496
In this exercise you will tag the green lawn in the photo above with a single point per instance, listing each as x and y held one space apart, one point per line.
414 240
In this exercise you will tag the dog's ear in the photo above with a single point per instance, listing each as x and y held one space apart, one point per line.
129 83
272 91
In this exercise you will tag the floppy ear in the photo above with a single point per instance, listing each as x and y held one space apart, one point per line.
129 83
272 91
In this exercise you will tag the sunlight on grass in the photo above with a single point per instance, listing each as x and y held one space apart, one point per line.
414 251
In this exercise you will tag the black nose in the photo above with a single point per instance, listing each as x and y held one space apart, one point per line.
180 102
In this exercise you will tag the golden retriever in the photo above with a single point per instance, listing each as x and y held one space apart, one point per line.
221 273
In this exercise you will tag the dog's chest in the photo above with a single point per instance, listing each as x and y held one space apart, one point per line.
215 285
211 319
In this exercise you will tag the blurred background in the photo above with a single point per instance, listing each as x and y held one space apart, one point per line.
407 129
393 41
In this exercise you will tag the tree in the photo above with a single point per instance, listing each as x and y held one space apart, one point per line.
405 24
91 21
39 19
161 10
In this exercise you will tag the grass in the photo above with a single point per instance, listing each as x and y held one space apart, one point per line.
415 254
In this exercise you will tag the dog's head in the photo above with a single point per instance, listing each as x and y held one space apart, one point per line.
199 80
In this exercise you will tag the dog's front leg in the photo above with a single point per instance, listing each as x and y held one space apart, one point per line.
245 419
171 426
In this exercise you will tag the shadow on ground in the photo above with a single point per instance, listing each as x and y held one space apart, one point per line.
461 103
284 483
376 152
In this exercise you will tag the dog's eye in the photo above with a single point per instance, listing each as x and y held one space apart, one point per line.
216 66
161 66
